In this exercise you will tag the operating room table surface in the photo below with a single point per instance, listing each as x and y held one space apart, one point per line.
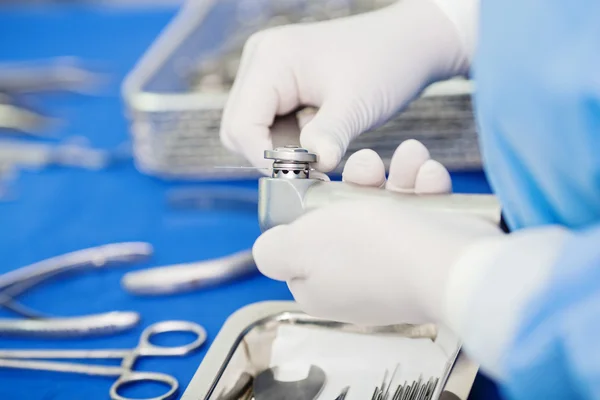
61 210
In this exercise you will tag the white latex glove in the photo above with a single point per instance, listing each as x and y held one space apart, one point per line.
379 263
373 262
358 71
411 170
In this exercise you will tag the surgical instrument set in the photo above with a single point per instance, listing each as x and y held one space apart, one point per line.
343 394
290 191
37 324
126 375
417 390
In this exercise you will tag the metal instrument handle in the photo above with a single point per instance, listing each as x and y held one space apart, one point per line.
190 276
73 368
126 377
147 348
91 325
97 257
322 193
134 377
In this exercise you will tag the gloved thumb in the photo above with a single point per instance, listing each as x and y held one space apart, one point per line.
330 131
274 257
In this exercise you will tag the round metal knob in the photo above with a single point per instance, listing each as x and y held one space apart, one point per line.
291 154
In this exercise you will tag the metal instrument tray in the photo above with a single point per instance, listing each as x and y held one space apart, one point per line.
245 343
175 116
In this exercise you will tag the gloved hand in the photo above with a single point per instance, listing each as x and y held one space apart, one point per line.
374 262
358 71
411 170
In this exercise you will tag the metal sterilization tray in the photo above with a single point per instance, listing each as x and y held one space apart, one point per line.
175 95
245 347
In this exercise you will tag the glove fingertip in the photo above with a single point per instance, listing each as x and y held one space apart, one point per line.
329 154
364 168
433 178
271 256
406 162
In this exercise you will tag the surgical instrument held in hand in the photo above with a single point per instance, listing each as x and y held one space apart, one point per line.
18 281
290 192
27 359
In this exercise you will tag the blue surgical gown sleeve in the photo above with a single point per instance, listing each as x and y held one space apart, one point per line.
537 103
556 351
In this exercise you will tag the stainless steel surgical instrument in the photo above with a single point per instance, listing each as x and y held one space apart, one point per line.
184 277
290 192
267 387
28 359
72 153
18 281
17 118
59 74
343 394
190 276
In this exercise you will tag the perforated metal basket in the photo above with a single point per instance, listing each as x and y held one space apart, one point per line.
175 94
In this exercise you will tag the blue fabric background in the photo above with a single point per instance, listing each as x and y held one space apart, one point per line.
62 210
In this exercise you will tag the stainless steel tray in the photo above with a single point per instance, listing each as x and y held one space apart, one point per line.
245 344
175 95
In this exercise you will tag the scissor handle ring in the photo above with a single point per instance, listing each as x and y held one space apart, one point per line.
145 377
148 348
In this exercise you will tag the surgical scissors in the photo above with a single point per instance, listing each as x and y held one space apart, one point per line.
27 359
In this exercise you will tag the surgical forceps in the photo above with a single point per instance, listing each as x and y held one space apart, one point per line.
60 74
27 359
14 117
179 278
75 153
18 281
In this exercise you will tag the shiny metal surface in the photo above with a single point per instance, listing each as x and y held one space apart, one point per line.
190 276
57 74
291 154
343 394
198 275
267 387
70 327
28 359
243 348
17 281
281 201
